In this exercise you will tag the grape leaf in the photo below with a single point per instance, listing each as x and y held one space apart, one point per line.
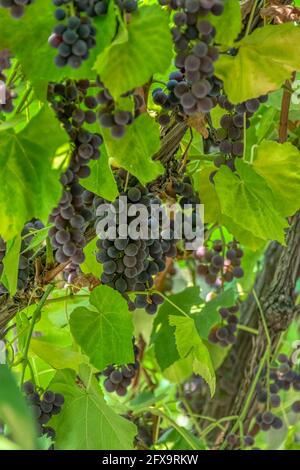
207 193
147 50
29 43
86 422
232 16
265 59
104 331
189 343
26 173
247 203
9 276
163 333
56 356
14 411
90 264
101 180
279 165
135 150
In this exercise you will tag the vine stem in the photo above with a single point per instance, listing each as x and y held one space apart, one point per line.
285 108
172 303
31 328
23 100
190 412
175 426
248 329
250 21
249 397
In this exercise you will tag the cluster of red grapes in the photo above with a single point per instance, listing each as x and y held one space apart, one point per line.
72 215
109 117
128 6
9 94
220 264
118 379
75 35
16 7
282 377
191 89
225 334
43 407
25 256
230 136
130 263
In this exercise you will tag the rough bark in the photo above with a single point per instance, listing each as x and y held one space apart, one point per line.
275 287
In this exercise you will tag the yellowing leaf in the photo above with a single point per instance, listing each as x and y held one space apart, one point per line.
265 59
248 206
279 165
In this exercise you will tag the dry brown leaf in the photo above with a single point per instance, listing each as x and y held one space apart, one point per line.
198 122
280 13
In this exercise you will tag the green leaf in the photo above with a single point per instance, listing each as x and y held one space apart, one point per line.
179 371
189 343
147 50
279 165
11 264
104 332
86 422
37 238
56 356
209 315
30 187
207 193
15 412
101 180
135 150
248 206
232 16
35 54
163 333
265 59
91 265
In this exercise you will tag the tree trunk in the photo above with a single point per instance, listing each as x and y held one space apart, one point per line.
274 287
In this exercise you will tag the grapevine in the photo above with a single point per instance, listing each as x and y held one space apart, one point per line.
150 228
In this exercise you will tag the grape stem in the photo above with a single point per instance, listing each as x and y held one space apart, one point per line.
251 17
34 319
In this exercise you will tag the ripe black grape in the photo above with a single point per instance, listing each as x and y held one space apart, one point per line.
43 407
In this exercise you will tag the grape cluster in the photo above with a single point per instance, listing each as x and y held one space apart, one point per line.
220 264
235 442
282 377
73 214
191 90
75 35
225 334
17 7
129 265
128 6
10 94
230 136
43 407
118 379
111 118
